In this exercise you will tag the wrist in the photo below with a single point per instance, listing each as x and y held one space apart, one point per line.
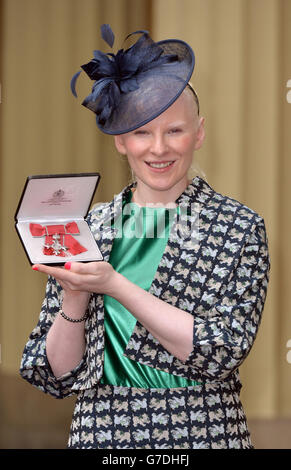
116 284
74 305
72 319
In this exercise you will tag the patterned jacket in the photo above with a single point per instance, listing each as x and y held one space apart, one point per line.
220 276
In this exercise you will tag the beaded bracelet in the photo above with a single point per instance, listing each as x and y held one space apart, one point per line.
73 320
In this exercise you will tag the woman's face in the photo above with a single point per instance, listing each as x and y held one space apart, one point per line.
160 152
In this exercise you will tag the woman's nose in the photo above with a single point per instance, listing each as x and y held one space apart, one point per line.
158 145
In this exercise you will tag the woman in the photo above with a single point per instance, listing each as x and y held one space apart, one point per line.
183 281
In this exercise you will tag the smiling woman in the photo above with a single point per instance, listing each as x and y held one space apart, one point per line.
151 338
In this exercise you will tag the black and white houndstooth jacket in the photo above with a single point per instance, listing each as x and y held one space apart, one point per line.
221 278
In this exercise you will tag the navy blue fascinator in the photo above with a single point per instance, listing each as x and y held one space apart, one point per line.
137 84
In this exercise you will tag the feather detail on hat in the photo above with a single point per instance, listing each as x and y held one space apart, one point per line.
136 84
115 74
107 34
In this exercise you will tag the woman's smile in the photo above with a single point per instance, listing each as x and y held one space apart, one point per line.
161 167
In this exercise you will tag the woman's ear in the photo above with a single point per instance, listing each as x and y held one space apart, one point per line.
200 136
118 140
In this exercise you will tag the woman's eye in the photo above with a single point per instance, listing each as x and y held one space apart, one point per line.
139 132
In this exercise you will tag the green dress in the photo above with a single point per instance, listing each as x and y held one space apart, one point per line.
137 250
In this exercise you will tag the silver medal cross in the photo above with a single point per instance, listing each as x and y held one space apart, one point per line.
56 245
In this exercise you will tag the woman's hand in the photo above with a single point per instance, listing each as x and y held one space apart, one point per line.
97 277
168 324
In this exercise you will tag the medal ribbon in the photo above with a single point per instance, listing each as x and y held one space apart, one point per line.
61 234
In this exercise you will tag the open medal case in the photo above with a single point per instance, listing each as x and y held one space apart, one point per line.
50 218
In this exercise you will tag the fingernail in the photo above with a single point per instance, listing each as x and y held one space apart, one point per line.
35 268
68 266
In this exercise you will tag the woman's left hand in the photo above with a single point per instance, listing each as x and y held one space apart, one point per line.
97 277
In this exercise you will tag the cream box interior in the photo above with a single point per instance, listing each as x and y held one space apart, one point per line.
50 218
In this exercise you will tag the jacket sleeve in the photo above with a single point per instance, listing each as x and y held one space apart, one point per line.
225 331
35 367
223 337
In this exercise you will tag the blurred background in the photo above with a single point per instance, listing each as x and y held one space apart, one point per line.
243 64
